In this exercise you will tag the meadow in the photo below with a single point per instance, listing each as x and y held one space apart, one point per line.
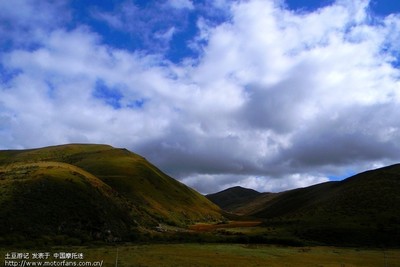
194 254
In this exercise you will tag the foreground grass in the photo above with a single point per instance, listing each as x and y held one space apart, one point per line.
236 255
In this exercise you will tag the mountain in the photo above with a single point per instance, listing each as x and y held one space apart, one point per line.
241 201
232 198
91 192
363 209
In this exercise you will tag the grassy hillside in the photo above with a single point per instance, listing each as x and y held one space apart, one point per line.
50 199
92 192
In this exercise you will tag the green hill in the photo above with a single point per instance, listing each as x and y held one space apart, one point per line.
91 192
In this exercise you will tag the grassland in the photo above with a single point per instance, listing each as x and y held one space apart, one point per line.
215 255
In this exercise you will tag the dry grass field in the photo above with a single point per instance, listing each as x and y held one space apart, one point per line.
214 255
243 255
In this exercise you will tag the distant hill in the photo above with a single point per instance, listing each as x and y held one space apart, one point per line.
241 201
232 198
363 209
90 192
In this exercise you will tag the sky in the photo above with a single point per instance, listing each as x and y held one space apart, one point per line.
265 94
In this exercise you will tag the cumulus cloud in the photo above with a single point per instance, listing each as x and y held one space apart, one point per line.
276 99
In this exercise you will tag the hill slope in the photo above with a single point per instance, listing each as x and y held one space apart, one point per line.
363 209
91 191
232 198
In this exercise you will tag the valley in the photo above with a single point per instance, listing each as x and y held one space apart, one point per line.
97 198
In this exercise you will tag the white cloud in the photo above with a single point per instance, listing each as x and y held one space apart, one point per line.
292 181
54 91
167 35
299 76
25 22
205 182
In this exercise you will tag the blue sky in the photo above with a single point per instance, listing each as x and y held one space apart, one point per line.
152 26
379 7
270 95
154 18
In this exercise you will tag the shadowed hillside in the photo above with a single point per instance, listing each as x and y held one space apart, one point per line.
90 192
232 198
363 209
